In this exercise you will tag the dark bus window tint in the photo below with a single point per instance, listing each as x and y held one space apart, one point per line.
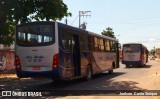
69 40
91 43
64 39
35 35
81 42
113 46
85 39
131 48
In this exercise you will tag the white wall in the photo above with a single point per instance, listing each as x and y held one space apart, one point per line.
2 47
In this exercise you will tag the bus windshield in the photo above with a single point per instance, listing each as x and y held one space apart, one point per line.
35 35
131 48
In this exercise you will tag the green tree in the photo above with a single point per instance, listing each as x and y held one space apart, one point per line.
13 12
108 32
152 52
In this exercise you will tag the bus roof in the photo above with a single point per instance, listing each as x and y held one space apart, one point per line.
132 43
73 28
90 33
35 22
102 36
135 43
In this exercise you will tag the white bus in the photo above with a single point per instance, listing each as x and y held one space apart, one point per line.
134 54
58 51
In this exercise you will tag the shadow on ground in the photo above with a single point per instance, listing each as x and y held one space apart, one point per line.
144 66
101 84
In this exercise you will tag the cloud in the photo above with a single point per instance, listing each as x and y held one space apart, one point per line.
152 40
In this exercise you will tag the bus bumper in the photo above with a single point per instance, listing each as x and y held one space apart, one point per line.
132 62
45 74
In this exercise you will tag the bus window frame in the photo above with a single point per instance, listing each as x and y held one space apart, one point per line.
27 44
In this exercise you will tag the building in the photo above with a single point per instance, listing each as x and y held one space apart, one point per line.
157 49
7 59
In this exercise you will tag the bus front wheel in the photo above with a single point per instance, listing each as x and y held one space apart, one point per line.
89 73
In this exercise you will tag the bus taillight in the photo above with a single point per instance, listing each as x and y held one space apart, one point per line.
55 61
17 62
122 56
140 56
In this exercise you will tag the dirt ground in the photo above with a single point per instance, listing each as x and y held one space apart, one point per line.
153 73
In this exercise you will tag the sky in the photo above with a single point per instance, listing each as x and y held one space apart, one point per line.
131 20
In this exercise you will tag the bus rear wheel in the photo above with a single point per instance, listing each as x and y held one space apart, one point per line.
113 67
89 73
110 71
127 66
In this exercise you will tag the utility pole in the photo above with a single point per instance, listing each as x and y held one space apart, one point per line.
66 21
83 13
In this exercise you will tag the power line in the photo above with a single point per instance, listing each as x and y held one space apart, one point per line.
74 20
83 13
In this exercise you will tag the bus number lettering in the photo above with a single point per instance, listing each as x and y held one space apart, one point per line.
34 58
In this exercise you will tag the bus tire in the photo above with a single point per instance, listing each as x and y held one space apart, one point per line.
89 73
113 67
127 66
110 72
56 81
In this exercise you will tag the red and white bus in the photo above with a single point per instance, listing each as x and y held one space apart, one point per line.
134 54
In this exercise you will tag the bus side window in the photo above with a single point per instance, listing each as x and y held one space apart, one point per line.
101 45
91 43
71 40
113 46
65 40
85 42
96 44
107 45
81 42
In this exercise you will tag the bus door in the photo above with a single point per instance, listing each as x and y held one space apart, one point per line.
147 56
76 55
117 54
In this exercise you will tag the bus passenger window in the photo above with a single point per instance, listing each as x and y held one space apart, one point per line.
107 45
96 44
70 42
65 40
101 45
85 39
91 43
113 46
81 42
